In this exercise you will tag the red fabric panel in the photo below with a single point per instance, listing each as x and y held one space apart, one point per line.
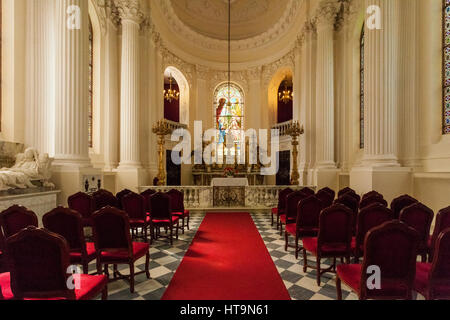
172 109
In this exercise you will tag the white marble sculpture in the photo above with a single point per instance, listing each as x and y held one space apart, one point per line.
29 167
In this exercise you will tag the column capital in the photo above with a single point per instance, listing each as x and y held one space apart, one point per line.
326 13
130 10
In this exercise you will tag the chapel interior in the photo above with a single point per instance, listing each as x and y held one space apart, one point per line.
312 135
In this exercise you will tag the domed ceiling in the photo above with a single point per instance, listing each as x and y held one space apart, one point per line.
249 18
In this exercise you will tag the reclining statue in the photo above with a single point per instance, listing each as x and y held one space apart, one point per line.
29 166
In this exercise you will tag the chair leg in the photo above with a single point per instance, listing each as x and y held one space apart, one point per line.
286 239
132 277
318 271
105 293
99 267
188 219
272 220
147 265
178 227
278 221
424 257
145 233
338 288
281 228
305 265
296 247
182 226
85 267
106 271
171 235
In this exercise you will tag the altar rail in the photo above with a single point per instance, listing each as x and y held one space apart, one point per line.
201 198
284 127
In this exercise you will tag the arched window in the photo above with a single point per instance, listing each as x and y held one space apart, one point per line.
91 85
361 91
446 66
229 117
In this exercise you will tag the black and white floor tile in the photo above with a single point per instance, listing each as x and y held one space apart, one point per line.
165 259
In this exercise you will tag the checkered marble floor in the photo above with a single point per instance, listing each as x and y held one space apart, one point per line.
165 259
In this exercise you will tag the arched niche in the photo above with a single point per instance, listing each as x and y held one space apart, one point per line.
183 87
273 88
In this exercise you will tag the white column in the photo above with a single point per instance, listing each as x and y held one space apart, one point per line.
381 88
129 102
325 85
40 73
71 105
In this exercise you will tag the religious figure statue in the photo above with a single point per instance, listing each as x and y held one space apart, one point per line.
29 166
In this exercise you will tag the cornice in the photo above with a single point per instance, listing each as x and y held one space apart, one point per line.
326 13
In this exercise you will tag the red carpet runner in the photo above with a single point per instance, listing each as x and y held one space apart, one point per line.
227 260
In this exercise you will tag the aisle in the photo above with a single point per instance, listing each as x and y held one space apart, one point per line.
227 260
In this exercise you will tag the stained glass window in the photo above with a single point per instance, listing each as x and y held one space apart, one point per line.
91 85
361 91
446 67
229 118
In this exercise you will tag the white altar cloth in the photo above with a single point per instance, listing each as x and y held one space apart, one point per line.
229 182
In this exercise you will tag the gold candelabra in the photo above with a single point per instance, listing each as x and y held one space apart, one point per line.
295 131
161 129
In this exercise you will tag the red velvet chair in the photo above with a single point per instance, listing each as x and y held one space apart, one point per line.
135 206
84 204
352 203
333 241
344 191
114 246
104 198
279 210
162 216
2 250
177 205
393 248
16 218
433 279
371 200
68 223
368 218
307 223
147 194
290 212
331 191
40 269
119 197
401 202
308 191
372 194
326 197
419 217
442 223
354 195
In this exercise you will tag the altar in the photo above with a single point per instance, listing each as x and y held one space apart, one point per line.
229 192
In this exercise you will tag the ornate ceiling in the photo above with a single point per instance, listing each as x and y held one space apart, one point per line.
249 18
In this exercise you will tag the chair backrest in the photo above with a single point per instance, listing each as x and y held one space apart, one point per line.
392 247
119 197
176 200
292 201
348 201
308 191
39 261
282 198
111 228
16 218
335 227
419 217
83 203
147 194
440 266
68 224
372 194
370 217
104 198
345 190
326 197
401 202
371 200
308 212
354 195
160 206
442 223
134 205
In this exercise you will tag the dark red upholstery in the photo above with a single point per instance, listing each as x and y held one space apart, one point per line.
334 238
401 202
84 204
372 194
147 194
345 190
135 206
39 265
16 218
177 206
368 218
162 215
2 250
113 242
104 198
292 201
279 210
352 203
308 191
307 223
354 195
326 195
68 224
371 200
392 247
433 279
119 197
419 217
442 223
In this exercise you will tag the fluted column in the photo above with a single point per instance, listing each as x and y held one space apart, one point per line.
71 82
325 85
381 87
129 102
40 103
